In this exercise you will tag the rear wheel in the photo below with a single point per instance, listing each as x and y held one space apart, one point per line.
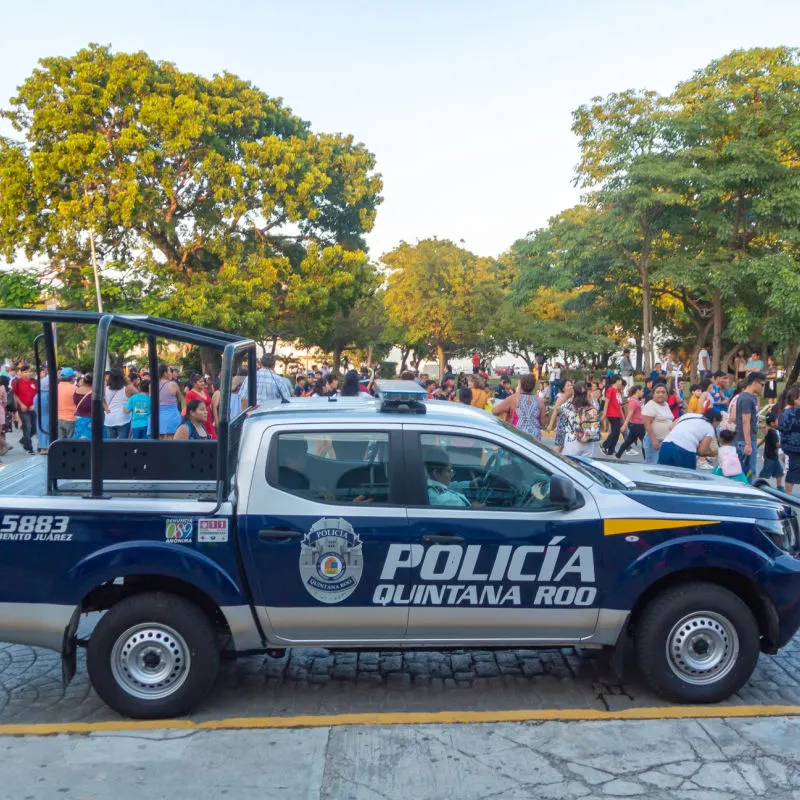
697 643
153 655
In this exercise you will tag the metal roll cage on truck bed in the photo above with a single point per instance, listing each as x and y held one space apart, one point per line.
373 523
98 459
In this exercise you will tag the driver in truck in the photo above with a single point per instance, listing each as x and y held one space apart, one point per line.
442 489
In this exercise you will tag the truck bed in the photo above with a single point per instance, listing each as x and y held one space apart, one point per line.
29 479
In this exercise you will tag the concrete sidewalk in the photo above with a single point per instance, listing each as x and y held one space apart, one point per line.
709 759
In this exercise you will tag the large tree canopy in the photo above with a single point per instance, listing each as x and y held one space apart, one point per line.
235 213
441 296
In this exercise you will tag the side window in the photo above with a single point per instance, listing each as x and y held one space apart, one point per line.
332 467
466 472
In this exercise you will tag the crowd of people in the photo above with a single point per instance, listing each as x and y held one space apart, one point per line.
714 426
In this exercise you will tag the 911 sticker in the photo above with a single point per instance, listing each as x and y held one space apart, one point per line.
212 531
34 528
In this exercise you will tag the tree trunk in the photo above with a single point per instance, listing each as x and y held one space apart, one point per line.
791 377
274 344
638 367
209 362
337 358
647 298
726 358
716 337
369 355
699 342
404 351
440 355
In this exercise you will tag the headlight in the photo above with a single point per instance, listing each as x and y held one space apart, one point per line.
781 532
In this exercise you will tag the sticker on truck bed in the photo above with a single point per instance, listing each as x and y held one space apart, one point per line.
212 530
34 528
179 531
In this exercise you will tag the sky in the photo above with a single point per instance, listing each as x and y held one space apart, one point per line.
466 105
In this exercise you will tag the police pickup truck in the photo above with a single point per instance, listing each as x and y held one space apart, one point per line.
377 523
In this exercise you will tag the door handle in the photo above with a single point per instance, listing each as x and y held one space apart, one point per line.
441 538
278 534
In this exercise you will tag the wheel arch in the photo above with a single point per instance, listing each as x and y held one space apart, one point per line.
108 594
741 585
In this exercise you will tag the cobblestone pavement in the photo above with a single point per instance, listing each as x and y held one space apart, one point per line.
316 681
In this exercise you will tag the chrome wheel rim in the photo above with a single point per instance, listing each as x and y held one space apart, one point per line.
702 647
150 661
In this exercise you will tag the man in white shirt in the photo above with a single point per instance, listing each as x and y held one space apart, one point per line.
704 364
270 388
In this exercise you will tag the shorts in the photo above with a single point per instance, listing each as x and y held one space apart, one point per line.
169 417
772 469
793 468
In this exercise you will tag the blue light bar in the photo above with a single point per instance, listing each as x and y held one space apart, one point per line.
406 396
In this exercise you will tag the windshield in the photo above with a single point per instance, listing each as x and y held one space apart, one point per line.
582 465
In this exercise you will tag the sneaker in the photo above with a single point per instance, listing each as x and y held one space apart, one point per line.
704 465
632 451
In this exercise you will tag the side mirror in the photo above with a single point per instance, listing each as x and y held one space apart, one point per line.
562 492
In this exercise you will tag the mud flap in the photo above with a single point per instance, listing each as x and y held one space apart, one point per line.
69 649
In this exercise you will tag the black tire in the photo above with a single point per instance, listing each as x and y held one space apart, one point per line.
729 622
167 631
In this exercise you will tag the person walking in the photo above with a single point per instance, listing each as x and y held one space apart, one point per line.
169 398
771 387
66 403
613 413
138 406
43 418
25 390
789 427
116 424
270 388
746 434
626 365
658 421
581 423
199 391
83 407
193 428
528 406
691 436
633 427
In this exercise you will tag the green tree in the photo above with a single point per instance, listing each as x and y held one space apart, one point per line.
626 154
739 122
233 211
441 294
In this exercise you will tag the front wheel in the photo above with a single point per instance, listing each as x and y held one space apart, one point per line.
153 655
697 643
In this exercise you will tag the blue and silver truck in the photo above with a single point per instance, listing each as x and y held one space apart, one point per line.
365 523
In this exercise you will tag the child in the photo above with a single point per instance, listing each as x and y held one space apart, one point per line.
696 393
728 463
138 406
772 466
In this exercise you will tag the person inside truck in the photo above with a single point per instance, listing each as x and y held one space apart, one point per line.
193 428
293 465
442 489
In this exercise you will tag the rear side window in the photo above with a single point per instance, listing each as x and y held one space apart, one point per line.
331 467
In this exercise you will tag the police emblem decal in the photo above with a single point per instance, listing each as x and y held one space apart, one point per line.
331 560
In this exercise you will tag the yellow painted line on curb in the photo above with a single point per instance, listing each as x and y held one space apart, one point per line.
402 718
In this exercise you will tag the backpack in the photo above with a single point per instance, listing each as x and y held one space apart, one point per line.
789 429
587 425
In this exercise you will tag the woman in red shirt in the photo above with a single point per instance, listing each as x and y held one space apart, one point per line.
199 392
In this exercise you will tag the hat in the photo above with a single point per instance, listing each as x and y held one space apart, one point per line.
67 372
